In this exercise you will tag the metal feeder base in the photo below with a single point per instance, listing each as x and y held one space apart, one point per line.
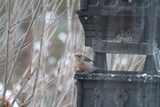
117 90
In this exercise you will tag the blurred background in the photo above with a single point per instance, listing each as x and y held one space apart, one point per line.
38 40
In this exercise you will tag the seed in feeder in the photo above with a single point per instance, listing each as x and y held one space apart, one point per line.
125 36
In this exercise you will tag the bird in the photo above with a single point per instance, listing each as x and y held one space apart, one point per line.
84 63
6 103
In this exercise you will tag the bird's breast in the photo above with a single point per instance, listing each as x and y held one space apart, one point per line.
83 66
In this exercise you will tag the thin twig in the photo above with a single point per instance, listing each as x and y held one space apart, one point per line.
7 54
38 67
21 46
34 16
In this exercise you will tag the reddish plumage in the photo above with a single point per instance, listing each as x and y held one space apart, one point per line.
84 64
6 103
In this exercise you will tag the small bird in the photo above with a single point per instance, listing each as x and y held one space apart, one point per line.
6 103
85 64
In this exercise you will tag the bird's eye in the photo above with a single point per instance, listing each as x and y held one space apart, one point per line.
78 56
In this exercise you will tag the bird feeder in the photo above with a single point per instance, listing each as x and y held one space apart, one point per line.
120 27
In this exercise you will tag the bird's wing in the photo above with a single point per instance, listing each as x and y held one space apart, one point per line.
88 60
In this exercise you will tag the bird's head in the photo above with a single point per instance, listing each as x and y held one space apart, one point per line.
79 57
